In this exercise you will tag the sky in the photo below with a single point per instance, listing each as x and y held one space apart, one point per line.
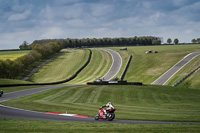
29 20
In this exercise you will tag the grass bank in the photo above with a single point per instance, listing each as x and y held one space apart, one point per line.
24 126
159 103
62 67
99 65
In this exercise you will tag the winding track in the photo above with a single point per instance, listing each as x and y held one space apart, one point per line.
116 65
173 70
9 112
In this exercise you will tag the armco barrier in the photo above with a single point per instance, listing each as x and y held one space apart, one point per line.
53 83
126 68
186 77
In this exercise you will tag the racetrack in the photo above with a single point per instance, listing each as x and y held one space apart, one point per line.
116 65
9 112
173 70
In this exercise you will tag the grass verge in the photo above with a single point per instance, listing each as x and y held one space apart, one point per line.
24 126
13 81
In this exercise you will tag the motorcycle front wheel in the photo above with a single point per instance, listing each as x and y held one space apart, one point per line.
96 117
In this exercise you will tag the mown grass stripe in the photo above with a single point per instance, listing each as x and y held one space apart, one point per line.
93 98
98 66
95 72
54 96
73 98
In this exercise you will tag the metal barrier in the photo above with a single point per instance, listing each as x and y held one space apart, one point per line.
126 68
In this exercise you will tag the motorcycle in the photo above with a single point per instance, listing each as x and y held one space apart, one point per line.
1 93
109 116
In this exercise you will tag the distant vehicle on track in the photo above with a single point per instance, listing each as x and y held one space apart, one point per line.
1 93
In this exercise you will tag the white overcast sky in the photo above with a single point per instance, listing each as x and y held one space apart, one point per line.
29 20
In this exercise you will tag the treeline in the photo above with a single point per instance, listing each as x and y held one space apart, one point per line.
195 40
12 69
97 42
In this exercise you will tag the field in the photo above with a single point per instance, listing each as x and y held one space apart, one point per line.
12 55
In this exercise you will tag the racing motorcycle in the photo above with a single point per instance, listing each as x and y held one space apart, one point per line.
109 116
1 93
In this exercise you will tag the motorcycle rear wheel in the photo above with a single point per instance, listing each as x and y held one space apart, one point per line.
110 116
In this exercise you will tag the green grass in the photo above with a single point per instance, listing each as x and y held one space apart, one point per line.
147 68
13 81
24 126
159 103
99 65
62 67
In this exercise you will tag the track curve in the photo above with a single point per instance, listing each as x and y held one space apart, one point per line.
173 70
116 65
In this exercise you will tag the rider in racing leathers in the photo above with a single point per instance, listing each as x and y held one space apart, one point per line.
109 105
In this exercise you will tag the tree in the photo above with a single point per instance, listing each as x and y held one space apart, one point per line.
156 42
24 46
169 40
198 40
176 41
194 41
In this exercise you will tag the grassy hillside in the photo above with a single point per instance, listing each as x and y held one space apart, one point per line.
147 68
99 65
62 67
158 103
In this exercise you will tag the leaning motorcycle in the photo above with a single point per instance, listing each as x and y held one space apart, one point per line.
109 116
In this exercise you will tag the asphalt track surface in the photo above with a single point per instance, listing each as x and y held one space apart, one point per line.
116 65
173 70
9 112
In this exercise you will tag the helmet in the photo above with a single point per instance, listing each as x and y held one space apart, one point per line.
109 103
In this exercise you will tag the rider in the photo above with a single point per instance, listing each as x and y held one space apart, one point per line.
110 107
1 92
